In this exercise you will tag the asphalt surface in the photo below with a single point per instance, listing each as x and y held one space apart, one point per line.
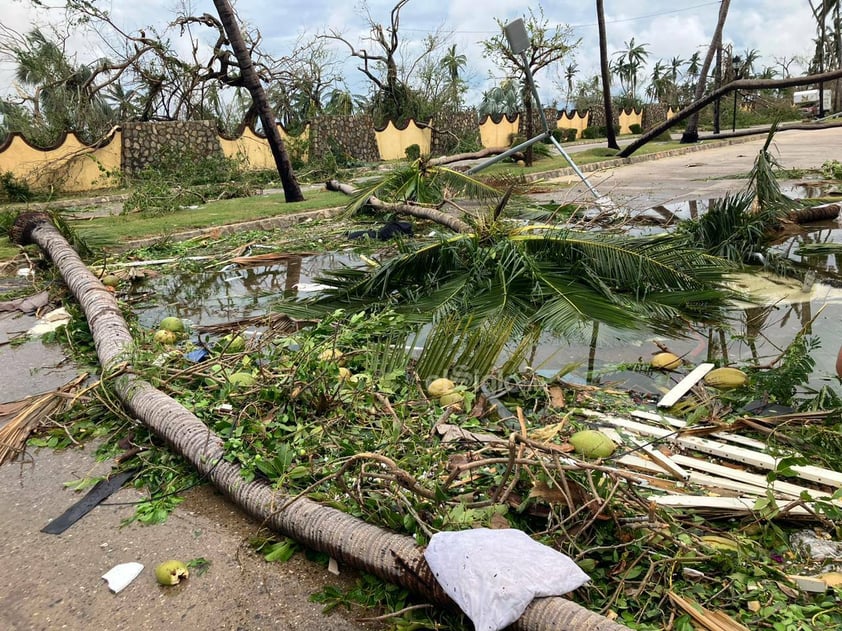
705 174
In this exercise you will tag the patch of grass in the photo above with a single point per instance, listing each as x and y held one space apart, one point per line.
219 213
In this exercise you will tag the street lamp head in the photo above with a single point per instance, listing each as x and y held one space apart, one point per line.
517 36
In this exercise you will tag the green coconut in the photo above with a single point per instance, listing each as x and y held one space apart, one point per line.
171 572
231 344
110 280
241 379
592 443
451 398
167 338
171 323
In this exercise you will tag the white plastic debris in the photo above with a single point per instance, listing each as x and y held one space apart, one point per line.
50 322
307 288
119 576
493 575
25 272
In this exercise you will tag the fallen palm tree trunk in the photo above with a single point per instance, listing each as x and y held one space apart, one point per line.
472 155
392 557
422 212
823 212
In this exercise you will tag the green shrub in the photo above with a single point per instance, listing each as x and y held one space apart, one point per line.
178 178
591 133
13 189
634 128
413 152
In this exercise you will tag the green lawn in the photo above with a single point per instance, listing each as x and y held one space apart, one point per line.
116 229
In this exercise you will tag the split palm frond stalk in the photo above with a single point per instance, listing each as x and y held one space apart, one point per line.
390 556
29 414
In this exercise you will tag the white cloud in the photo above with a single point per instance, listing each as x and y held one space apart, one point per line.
777 28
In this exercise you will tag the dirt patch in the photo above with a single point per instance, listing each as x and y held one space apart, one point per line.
53 582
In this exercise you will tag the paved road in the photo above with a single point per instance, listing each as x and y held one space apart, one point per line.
708 173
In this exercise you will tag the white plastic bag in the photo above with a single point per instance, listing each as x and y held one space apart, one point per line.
493 575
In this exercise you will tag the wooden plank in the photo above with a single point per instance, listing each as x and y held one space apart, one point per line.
734 438
742 505
731 452
780 487
683 386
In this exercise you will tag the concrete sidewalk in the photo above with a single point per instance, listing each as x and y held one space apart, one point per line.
704 174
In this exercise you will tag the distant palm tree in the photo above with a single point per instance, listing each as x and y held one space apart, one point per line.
339 102
570 71
629 62
453 63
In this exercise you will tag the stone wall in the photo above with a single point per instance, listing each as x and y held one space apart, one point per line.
450 127
654 114
351 135
143 142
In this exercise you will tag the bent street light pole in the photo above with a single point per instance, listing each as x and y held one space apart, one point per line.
519 43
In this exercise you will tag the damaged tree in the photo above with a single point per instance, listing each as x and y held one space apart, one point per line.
391 557
292 191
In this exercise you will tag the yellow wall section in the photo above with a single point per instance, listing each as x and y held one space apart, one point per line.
493 134
392 142
73 166
255 150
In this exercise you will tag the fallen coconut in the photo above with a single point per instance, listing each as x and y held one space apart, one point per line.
440 387
110 280
726 378
231 344
167 338
171 572
331 355
171 323
592 443
453 397
665 361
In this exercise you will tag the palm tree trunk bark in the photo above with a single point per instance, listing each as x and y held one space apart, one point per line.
606 78
691 132
392 557
292 191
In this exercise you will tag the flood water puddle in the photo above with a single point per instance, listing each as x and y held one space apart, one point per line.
757 333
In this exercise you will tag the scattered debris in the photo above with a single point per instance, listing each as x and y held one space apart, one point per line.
29 305
483 571
101 491
120 576
50 322
20 418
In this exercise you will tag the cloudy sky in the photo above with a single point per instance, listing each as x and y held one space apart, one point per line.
779 29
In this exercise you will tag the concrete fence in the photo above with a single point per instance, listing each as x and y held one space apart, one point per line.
74 166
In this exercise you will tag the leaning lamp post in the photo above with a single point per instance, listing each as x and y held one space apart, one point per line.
519 43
